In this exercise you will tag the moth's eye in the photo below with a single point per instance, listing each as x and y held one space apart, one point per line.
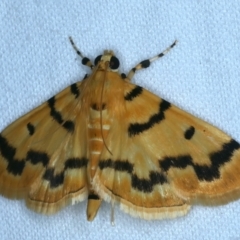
97 59
114 63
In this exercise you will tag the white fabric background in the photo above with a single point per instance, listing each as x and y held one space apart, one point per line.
201 75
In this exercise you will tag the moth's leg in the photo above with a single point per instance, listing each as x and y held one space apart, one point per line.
85 60
146 63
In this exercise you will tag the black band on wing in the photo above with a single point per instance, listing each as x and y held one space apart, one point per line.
57 116
203 172
135 92
188 134
56 180
118 165
16 166
74 90
146 185
141 184
31 128
72 163
137 128
36 157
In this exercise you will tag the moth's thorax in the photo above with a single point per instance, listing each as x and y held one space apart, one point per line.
106 88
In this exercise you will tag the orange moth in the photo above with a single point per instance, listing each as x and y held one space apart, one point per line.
105 138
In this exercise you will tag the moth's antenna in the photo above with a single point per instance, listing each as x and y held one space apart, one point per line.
75 47
146 63
85 61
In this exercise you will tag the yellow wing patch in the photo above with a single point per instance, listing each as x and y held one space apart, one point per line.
107 139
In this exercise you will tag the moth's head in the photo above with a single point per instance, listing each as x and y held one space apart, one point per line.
107 61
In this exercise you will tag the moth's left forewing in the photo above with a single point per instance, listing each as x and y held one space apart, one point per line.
164 158
43 155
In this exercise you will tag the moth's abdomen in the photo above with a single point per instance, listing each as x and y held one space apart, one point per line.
98 128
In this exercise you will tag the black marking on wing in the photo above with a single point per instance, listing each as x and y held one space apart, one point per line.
118 165
72 163
68 125
16 166
56 180
203 172
93 196
7 151
141 184
137 128
146 185
135 92
188 134
74 90
178 162
31 129
36 157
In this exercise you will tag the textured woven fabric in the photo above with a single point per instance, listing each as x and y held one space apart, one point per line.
201 75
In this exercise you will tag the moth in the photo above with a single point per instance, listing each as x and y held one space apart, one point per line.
105 138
